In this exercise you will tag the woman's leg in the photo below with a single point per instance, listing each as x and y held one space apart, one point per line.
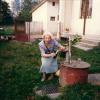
50 77
43 77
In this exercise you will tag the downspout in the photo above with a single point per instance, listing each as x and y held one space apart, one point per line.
61 15
85 16
58 24
84 26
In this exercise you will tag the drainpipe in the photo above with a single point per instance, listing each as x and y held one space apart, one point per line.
69 50
58 23
85 16
84 25
61 15
59 30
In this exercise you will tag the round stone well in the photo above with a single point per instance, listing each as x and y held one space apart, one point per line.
76 72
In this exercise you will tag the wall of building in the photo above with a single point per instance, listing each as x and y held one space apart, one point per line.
92 24
76 22
52 11
68 13
40 15
43 14
62 15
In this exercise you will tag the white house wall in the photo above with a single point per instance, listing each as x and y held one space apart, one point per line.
40 15
92 24
76 22
68 14
52 26
62 15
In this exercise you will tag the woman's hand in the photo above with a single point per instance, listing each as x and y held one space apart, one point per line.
49 55
62 48
53 54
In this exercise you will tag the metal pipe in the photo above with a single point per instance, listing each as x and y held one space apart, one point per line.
69 50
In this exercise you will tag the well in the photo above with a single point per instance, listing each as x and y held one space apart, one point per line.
76 72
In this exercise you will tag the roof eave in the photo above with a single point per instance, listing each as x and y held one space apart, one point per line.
36 7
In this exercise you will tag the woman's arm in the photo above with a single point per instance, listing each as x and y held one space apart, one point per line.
61 48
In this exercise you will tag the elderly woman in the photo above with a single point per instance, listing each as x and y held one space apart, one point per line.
48 47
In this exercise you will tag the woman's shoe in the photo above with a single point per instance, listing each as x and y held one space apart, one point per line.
50 77
43 79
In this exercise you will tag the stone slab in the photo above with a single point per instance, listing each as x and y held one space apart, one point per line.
94 79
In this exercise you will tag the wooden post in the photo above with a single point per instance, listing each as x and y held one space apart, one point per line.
29 31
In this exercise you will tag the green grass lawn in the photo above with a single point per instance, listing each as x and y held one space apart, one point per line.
19 68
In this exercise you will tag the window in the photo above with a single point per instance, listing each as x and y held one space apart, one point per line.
86 9
53 3
52 18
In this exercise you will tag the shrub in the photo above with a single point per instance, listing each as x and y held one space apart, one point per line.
6 31
76 38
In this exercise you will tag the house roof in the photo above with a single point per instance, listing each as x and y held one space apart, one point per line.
40 4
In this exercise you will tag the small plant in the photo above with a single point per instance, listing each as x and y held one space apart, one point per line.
76 38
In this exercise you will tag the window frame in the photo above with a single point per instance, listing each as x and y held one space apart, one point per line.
86 9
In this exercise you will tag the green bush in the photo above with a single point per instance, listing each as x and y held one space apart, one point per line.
6 31
76 38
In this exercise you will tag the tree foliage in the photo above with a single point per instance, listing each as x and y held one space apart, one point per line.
25 12
5 14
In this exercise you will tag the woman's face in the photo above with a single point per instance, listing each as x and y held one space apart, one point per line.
47 38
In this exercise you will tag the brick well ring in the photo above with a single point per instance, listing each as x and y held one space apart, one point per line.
76 72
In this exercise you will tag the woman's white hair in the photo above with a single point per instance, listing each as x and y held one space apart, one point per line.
47 34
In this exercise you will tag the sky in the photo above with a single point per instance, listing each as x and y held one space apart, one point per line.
10 2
